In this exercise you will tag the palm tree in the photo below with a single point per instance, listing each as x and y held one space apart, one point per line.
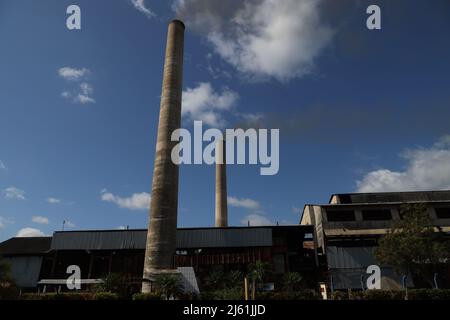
291 281
256 275
168 285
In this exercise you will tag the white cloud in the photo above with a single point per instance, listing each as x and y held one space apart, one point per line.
244 203
426 169
40 219
204 103
4 221
122 228
296 210
83 99
84 93
256 220
262 39
53 200
2 165
137 201
73 74
69 224
66 94
140 5
30 232
14 193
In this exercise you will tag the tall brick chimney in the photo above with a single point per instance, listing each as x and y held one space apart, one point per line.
161 236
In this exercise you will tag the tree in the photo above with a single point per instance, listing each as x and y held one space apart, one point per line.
256 275
8 289
291 281
114 283
168 285
413 246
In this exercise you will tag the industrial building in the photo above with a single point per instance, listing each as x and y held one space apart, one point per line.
348 228
43 261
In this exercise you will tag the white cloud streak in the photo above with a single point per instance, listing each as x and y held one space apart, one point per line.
296 210
73 74
52 200
14 193
256 220
426 169
137 201
245 203
40 220
140 6
30 232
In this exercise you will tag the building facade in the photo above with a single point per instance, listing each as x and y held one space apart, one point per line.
348 228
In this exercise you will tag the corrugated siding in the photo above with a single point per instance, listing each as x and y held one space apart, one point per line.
214 238
25 270
351 279
350 257
99 240
186 238
348 264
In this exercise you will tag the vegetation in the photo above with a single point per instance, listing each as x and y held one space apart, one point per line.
292 281
114 283
224 294
305 294
168 285
224 280
8 289
220 285
256 275
71 296
412 247
413 294
147 296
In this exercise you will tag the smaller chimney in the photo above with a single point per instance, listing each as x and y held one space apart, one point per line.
221 185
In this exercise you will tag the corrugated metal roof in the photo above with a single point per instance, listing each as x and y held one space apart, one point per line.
99 240
223 237
186 238
28 246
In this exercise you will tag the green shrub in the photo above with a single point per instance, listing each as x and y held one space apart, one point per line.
223 294
57 296
8 291
147 296
339 295
429 294
229 294
70 296
305 294
355 295
383 295
188 296
105 296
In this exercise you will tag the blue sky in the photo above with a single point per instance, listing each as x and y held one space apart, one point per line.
357 109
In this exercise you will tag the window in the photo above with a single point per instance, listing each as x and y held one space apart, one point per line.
442 213
376 214
340 215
